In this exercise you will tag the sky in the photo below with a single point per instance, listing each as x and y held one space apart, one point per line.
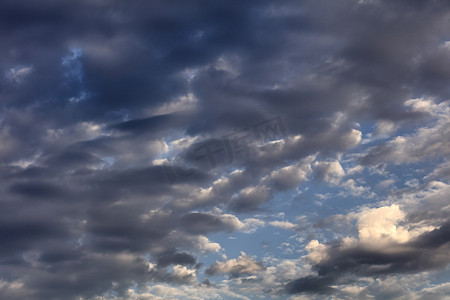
224 149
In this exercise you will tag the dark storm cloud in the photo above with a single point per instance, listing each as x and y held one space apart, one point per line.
83 85
14 234
129 56
435 238
163 42
156 123
311 284
72 159
181 258
36 189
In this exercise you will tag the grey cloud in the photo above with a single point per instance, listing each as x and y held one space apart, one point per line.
200 223
311 284
36 189
250 199
243 265
441 172
429 251
181 258
80 131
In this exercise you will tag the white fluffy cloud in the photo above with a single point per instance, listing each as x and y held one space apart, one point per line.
378 227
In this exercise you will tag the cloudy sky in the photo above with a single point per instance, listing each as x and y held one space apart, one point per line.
224 149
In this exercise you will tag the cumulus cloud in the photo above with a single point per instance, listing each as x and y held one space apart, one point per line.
290 176
243 265
382 247
250 198
331 172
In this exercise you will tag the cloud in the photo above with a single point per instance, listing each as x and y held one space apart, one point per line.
290 176
18 73
283 224
202 223
379 226
250 198
384 128
331 172
383 247
182 274
425 143
243 265
441 172
103 109
176 258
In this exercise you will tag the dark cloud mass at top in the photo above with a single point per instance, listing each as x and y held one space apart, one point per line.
224 149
